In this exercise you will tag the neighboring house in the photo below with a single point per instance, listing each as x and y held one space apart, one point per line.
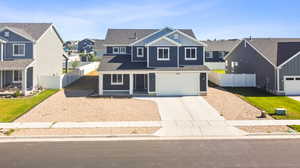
216 50
153 62
275 61
28 51
71 46
100 49
86 46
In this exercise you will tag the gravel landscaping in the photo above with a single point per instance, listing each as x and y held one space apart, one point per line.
59 108
231 107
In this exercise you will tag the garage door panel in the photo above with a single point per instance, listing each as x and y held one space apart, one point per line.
177 83
292 85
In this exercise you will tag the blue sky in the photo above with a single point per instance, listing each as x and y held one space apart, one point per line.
77 19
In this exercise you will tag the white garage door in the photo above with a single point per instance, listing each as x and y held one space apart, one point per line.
292 85
173 84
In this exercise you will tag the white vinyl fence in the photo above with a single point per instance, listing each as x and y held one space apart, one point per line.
215 65
61 81
89 67
232 80
58 82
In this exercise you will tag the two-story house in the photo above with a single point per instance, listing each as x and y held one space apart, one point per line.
28 51
274 61
153 62
94 46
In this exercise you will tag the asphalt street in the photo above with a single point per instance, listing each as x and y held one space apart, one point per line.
271 153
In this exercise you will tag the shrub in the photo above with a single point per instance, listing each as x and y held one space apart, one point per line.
17 93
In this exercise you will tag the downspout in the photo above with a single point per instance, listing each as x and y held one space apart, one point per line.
278 80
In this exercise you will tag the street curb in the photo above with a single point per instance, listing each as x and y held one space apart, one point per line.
144 137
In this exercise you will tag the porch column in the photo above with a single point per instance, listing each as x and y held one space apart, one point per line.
131 84
24 82
100 84
1 79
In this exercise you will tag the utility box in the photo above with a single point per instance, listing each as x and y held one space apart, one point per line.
280 111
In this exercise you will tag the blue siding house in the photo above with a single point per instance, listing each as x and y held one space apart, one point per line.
25 55
163 62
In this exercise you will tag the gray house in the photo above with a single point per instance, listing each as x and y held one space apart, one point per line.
275 61
27 52
153 62
216 50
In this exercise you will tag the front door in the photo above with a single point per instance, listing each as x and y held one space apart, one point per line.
140 82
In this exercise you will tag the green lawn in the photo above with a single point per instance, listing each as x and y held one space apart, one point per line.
269 102
220 71
14 108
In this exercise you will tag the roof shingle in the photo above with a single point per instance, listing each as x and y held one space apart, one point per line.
29 30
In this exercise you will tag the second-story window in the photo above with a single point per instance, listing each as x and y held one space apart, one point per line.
190 53
209 54
115 50
119 50
122 50
163 54
18 50
140 52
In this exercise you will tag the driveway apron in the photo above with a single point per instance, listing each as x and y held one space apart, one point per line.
191 116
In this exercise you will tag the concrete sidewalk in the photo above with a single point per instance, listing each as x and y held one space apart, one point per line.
168 128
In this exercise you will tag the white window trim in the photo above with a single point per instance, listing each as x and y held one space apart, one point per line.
120 51
190 48
137 52
163 59
19 55
13 77
114 50
116 83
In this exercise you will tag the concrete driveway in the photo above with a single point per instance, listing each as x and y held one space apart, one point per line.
191 116
185 109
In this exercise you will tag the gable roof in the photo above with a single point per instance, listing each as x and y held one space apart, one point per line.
128 36
33 31
221 45
276 50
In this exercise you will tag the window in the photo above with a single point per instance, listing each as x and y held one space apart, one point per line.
6 34
119 50
297 78
122 50
140 52
18 49
17 76
222 54
190 54
117 79
163 54
209 54
115 50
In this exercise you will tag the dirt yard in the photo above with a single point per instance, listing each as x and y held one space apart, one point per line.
74 104
231 107
83 109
